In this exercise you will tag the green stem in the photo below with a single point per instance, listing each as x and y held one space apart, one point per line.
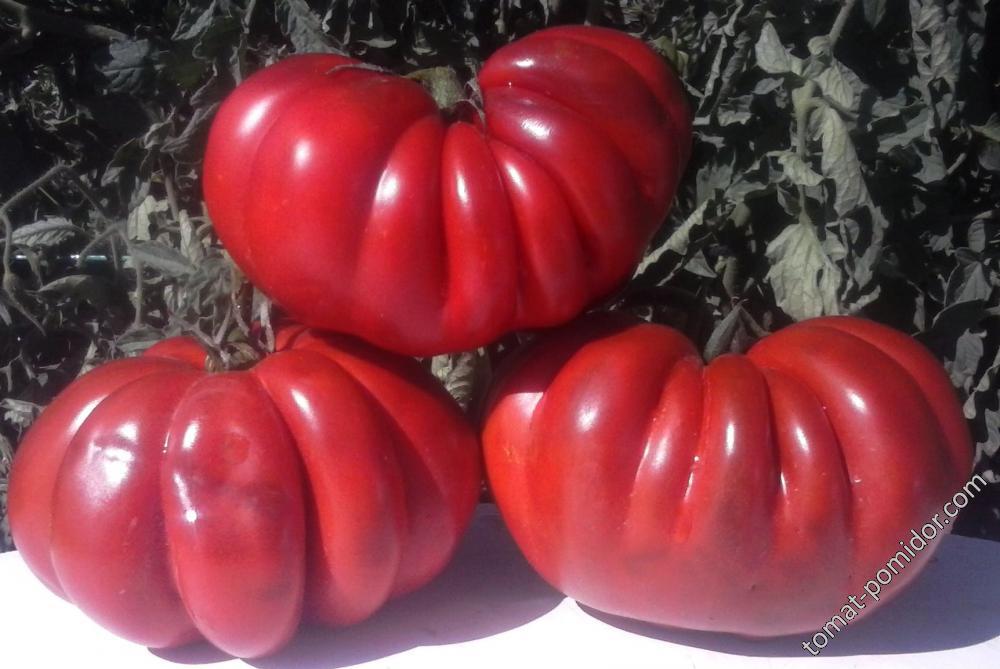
840 22
443 85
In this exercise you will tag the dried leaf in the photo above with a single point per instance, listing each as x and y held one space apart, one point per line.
461 373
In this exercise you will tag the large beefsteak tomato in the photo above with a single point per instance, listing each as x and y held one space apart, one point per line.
172 504
346 195
751 495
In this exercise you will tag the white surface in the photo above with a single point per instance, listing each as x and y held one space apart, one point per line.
490 610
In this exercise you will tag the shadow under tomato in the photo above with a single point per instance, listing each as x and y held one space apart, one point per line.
954 603
487 589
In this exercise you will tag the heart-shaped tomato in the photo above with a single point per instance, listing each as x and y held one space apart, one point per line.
753 495
347 195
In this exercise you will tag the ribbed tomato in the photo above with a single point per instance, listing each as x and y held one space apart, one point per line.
172 504
346 195
752 495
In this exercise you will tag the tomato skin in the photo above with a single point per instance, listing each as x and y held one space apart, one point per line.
345 195
172 504
750 495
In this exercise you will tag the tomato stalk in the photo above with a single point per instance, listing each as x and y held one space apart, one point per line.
736 333
444 85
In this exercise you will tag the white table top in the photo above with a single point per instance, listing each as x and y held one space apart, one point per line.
490 610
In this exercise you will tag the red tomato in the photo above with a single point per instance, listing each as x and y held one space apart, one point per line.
172 504
346 195
751 495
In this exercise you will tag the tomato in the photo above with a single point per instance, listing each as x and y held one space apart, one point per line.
172 504
751 495
347 196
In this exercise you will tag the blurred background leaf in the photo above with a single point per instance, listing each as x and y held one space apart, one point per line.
846 160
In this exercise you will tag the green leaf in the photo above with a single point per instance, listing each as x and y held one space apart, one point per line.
977 236
77 288
820 46
937 40
6 456
970 280
19 412
194 21
49 231
140 219
835 86
735 110
841 164
735 333
805 281
968 354
772 56
990 130
989 157
938 46
677 242
135 340
304 28
916 106
982 407
874 11
797 170
190 143
165 259
191 246
130 65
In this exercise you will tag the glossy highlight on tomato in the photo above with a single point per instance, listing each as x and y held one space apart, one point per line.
171 504
347 196
750 495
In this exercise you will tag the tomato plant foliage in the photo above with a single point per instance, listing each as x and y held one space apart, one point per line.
847 160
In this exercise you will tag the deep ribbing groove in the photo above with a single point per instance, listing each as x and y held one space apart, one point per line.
684 512
668 377
845 473
900 367
586 120
590 246
852 506
666 112
398 438
584 246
